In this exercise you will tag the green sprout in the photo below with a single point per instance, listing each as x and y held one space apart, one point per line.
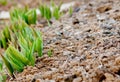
70 10
39 46
9 34
48 13
3 2
1 65
17 59
22 44
2 74
49 53
5 37
3 42
56 10
20 41
29 16
45 12
8 65
3 77
27 47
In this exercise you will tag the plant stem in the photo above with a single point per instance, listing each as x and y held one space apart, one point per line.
48 23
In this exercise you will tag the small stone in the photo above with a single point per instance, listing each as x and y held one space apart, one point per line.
114 68
109 77
75 21
117 61
48 74
38 80
107 27
77 9
104 8
4 15
100 18
79 79
106 32
75 62
66 53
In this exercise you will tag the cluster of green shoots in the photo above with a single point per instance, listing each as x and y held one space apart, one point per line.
50 12
5 37
20 43
30 16
3 2
26 14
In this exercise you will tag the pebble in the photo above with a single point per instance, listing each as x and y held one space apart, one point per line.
79 79
109 77
4 15
66 53
117 60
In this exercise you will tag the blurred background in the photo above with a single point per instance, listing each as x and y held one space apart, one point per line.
7 4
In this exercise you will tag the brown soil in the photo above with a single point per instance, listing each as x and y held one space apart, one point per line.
85 46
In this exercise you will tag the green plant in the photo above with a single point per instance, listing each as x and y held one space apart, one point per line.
50 12
70 10
29 16
3 77
45 11
56 10
1 65
5 37
8 65
3 2
3 43
49 53
28 36
9 34
17 59
2 74
23 43
38 42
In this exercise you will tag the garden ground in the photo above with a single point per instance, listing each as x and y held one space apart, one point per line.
85 46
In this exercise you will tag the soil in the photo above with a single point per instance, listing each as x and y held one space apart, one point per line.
85 46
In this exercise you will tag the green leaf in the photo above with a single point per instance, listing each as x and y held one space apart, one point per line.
39 46
45 12
1 65
30 54
17 55
42 10
3 2
3 78
49 52
18 65
8 65
36 33
31 17
48 13
3 41
6 33
0 43
70 10
56 12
